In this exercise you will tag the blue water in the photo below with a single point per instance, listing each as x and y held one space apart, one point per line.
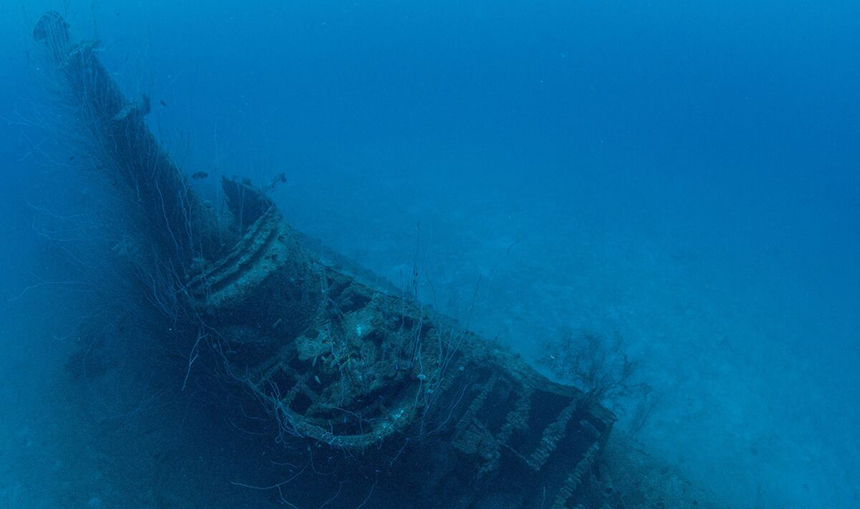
687 174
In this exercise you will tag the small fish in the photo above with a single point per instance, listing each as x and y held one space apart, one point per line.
199 175
162 102
279 179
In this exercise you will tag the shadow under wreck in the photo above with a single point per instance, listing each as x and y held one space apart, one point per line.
441 416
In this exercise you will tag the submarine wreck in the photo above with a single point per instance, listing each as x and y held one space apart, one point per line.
442 417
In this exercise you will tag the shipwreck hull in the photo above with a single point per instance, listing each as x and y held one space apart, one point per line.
335 359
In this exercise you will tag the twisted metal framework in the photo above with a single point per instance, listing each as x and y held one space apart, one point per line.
334 359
